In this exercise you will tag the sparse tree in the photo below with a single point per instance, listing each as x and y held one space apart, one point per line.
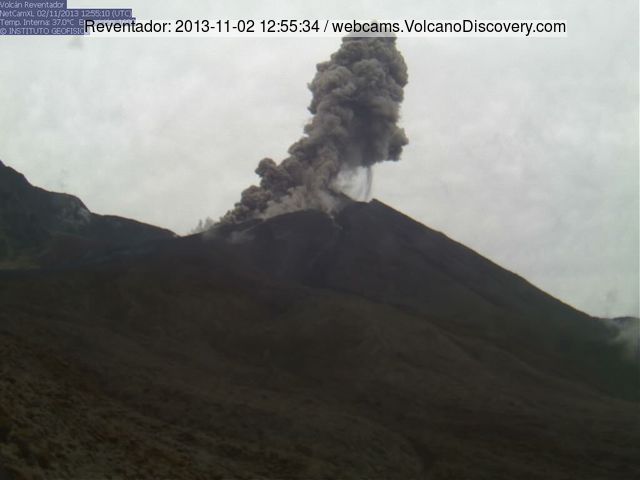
203 226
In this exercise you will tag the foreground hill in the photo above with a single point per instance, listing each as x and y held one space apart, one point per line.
365 346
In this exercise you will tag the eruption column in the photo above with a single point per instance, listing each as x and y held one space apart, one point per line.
356 107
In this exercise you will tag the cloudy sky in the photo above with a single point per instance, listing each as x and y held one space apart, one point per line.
526 150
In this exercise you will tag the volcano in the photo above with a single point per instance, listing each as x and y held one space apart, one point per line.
304 346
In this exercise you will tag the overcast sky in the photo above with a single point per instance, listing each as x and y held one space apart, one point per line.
526 150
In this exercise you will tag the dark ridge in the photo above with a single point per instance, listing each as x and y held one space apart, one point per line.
41 228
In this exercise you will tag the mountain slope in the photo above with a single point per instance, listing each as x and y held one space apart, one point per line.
365 346
374 251
38 227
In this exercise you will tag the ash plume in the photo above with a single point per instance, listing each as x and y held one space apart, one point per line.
356 107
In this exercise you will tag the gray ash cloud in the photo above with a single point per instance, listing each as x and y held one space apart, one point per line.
356 108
